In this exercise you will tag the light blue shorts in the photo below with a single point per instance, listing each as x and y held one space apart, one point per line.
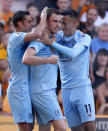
21 108
46 106
78 105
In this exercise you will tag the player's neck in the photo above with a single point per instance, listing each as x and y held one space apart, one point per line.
70 34
18 30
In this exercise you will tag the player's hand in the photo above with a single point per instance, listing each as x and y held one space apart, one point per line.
43 15
53 38
45 39
53 59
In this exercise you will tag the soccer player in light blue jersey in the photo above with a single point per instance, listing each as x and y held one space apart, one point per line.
43 78
73 49
18 90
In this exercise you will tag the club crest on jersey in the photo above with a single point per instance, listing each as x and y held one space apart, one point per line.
18 33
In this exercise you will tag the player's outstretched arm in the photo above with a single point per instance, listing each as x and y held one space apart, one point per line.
38 31
30 58
69 52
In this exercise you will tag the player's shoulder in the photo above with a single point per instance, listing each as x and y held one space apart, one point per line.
79 35
36 44
11 38
16 36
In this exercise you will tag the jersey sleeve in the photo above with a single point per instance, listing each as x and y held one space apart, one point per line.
17 38
84 39
20 37
36 45
83 42
69 52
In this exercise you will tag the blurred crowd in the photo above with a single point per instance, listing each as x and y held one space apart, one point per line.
93 20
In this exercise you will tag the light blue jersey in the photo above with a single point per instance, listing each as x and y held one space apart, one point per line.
42 77
74 70
77 92
19 71
18 90
43 80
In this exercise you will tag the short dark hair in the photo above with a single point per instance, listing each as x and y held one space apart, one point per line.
19 16
51 11
70 12
31 4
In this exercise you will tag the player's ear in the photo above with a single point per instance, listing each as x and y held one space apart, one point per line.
19 23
